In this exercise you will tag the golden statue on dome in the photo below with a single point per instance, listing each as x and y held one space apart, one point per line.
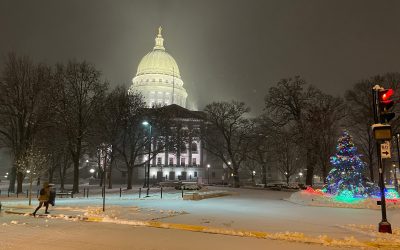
159 31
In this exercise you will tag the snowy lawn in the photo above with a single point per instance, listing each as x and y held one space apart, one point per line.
248 211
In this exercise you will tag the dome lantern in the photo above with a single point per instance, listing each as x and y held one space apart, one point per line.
159 40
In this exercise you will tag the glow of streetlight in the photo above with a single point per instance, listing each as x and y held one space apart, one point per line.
91 170
145 123
28 171
208 166
229 163
87 161
301 174
254 172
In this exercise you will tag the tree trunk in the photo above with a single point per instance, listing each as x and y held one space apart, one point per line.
110 169
101 178
310 169
264 175
371 170
75 187
13 175
30 190
324 172
61 178
20 179
76 157
51 173
236 180
287 180
129 182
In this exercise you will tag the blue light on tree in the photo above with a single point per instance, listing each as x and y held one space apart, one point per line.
346 175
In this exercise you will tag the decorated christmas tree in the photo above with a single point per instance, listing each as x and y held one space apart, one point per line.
346 178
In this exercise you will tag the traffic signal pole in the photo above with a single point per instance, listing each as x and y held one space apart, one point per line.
384 225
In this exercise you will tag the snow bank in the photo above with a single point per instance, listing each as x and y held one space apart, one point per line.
317 199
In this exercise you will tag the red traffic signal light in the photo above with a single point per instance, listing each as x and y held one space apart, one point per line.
385 103
385 94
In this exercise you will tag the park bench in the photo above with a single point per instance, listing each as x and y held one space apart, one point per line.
66 193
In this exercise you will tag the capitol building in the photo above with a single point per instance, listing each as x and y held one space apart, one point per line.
158 78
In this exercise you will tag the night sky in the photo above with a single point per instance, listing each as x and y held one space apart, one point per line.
225 49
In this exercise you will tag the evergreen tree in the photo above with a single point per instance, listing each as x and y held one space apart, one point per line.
346 175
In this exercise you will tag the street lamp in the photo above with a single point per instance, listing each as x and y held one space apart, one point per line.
208 173
147 173
92 171
252 175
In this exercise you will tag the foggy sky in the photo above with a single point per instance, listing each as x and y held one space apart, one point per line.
225 49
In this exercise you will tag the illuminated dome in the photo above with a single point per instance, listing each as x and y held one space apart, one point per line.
158 77
158 62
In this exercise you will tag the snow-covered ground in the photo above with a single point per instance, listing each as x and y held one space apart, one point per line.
251 213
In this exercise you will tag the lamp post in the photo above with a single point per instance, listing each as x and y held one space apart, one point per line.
147 173
398 159
208 173
229 175
252 175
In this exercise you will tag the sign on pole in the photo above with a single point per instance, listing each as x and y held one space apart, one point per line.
385 150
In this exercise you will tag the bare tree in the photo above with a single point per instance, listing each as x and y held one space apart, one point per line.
228 134
79 94
134 136
359 102
24 109
262 144
287 105
287 154
32 163
111 124
325 115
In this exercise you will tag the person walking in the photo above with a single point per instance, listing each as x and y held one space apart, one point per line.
44 197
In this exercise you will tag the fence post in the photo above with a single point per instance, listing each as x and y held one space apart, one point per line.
161 192
27 193
120 192
84 192
8 193
147 192
72 194
87 193
182 192
140 192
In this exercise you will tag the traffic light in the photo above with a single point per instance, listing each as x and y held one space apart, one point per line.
385 104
